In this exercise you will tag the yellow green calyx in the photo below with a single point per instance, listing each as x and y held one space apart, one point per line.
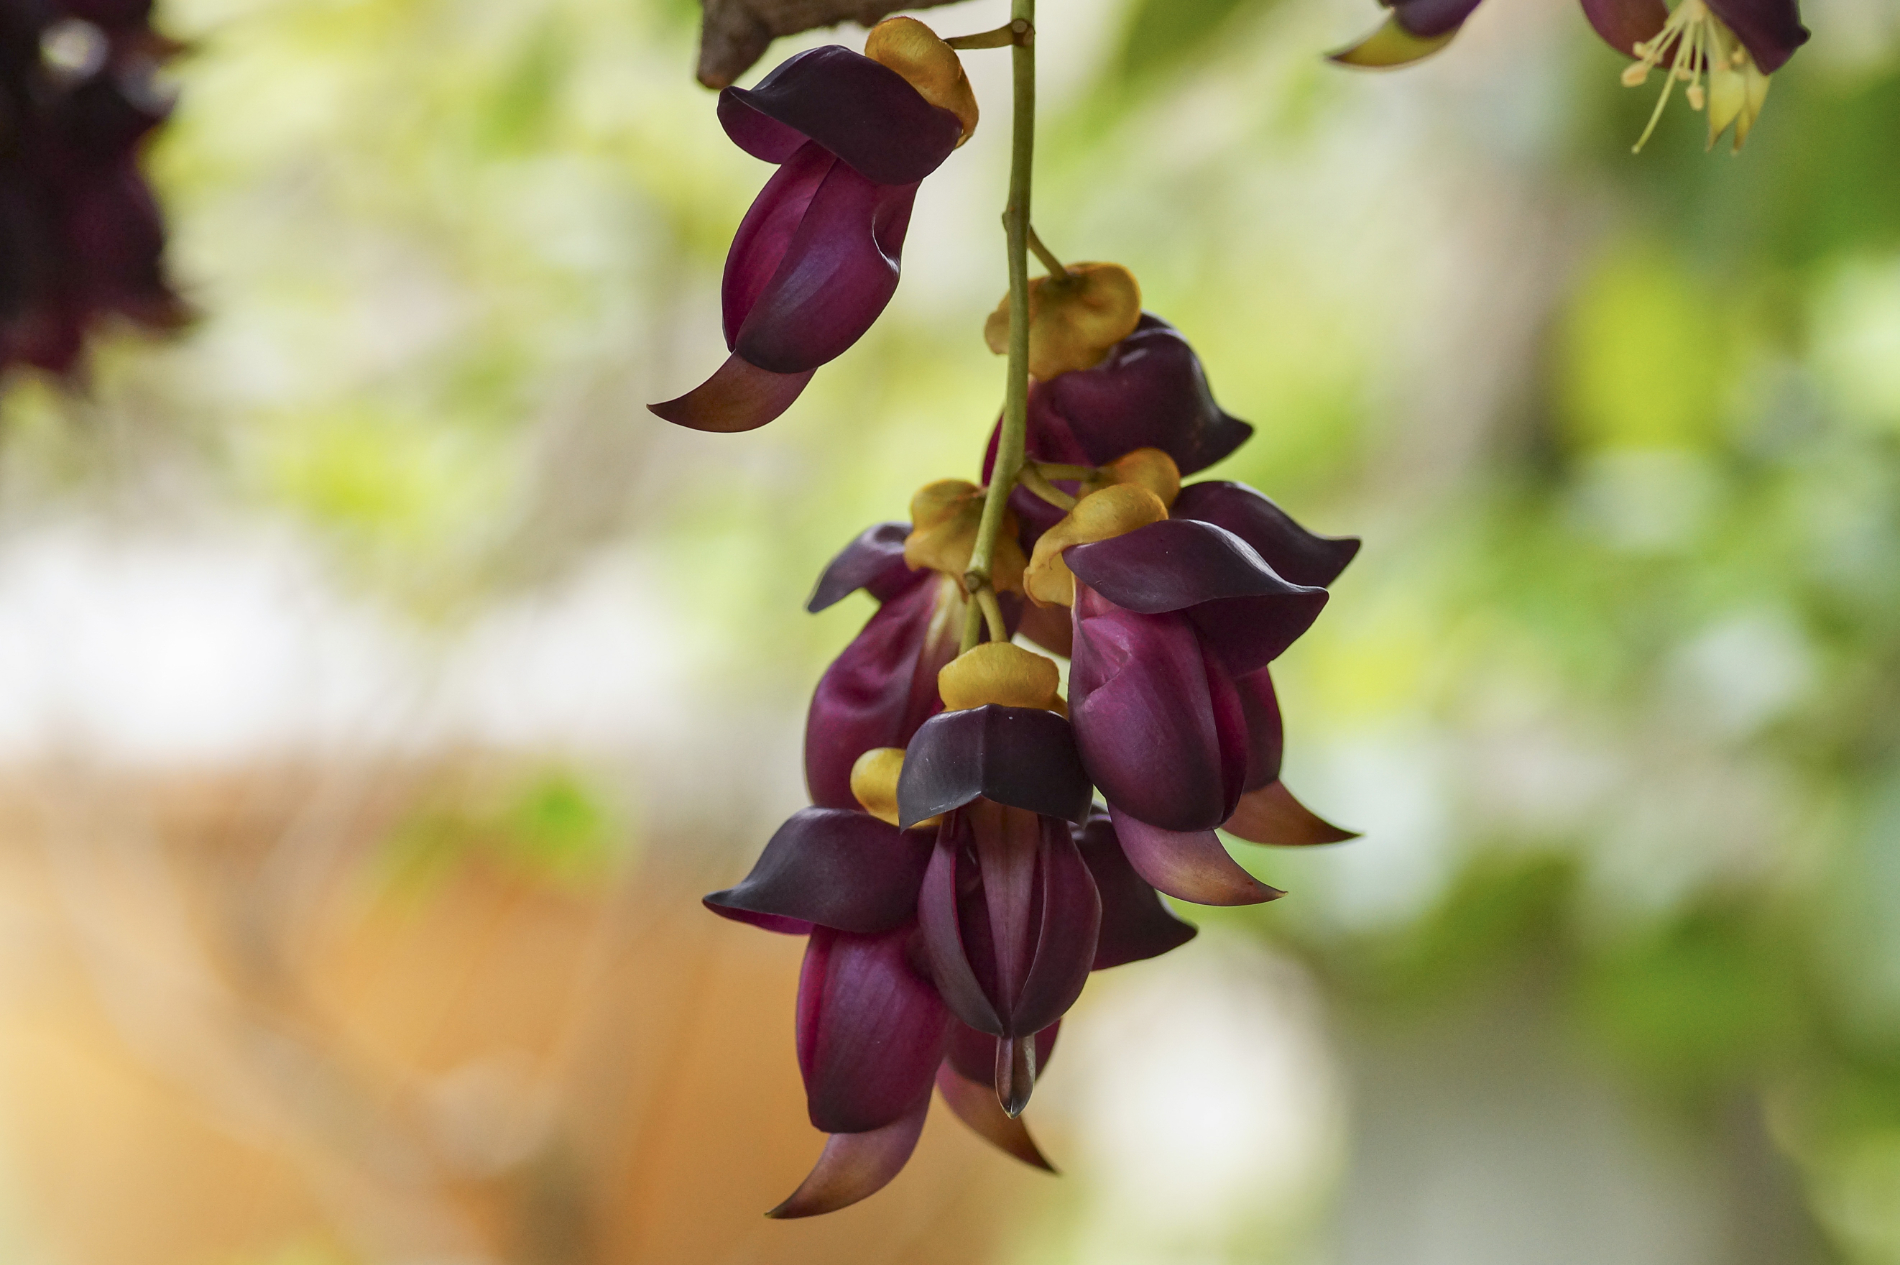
928 64
1001 673
1114 511
1074 318
944 517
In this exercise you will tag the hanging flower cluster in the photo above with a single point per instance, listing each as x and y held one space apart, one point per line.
977 844
80 235
1724 50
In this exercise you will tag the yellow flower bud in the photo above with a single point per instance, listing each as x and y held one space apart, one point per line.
1149 468
928 64
874 781
1073 320
1114 511
1001 673
944 517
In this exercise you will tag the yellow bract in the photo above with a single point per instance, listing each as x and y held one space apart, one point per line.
1148 468
1000 673
874 781
1073 320
943 520
930 65
1100 515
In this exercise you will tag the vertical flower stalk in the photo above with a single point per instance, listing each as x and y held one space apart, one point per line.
1015 427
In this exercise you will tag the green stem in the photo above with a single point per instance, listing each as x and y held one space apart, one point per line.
1048 257
1009 447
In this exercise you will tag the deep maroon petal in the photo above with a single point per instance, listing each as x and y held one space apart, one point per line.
880 689
1020 756
1150 392
1136 923
855 1165
956 963
1270 814
1624 24
1426 18
738 397
974 1103
1143 710
766 233
838 271
1266 737
1070 921
1770 29
973 1054
870 1031
1190 865
874 562
1247 613
861 110
834 868
1293 552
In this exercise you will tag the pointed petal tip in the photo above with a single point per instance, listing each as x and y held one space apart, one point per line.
1269 814
1189 865
854 1166
1390 46
976 1106
739 397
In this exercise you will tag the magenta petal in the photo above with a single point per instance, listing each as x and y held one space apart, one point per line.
1020 756
855 1165
974 1103
833 868
1266 738
758 248
838 271
1293 552
1143 709
861 110
1150 392
870 1031
1426 18
1770 29
1624 24
879 690
1136 923
873 562
738 397
1190 865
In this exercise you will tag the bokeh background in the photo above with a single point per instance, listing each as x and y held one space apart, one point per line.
380 684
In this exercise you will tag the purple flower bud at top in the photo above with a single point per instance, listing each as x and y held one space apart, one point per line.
1024 757
831 867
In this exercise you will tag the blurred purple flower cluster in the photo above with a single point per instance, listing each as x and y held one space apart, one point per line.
81 238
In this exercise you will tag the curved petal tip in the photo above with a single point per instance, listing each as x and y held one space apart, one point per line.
1270 814
1390 45
976 1106
739 396
1189 865
854 1166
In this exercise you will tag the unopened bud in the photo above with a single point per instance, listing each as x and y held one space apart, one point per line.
1103 515
874 781
1000 673
928 64
1074 320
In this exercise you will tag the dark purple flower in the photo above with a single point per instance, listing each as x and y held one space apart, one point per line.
831 867
1136 922
816 258
81 238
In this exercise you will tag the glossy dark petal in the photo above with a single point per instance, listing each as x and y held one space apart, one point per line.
834 868
1136 923
1294 553
873 562
838 271
1623 24
855 1165
1266 737
974 1103
1433 17
1009 918
738 397
861 110
1190 866
1150 392
880 689
1149 716
1270 814
1020 756
870 1031
1771 29
758 248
